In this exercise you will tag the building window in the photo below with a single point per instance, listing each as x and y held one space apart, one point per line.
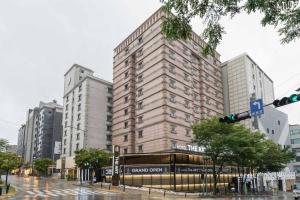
67 106
253 76
172 98
195 84
268 131
67 99
77 146
78 126
79 88
65 133
185 63
139 52
109 99
173 113
64 150
140 105
79 107
126 112
196 109
195 96
78 116
65 141
66 124
126 50
140 40
186 90
140 148
140 133
187 132
140 78
125 150
125 138
126 63
186 104
140 119
173 128
109 90
126 74
185 51
109 109
273 132
172 83
140 92
66 116
140 65
187 118
79 97
126 99
186 77
109 118
108 137
172 69
125 124
172 54
278 122
108 128
208 101
126 87
78 136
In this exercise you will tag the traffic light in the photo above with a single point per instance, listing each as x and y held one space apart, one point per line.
286 100
232 118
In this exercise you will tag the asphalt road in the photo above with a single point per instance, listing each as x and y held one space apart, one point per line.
34 188
29 188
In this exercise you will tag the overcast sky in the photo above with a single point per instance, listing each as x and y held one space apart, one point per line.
41 39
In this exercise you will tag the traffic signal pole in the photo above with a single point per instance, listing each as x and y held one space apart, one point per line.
232 118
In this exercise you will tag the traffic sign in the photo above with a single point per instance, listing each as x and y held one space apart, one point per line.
257 107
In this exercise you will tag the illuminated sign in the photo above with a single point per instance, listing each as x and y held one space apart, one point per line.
191 148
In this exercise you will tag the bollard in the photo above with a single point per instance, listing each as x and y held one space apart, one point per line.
124 188
185 195
7 188
101 185
164 193
149 191
109 186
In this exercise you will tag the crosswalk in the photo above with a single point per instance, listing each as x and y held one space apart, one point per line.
65 192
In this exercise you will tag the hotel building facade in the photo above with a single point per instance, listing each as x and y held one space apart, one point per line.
161 88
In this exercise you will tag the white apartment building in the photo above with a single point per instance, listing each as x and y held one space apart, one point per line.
87 114
244 80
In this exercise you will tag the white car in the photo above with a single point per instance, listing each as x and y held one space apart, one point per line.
296 191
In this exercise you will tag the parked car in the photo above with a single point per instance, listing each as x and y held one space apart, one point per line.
296 191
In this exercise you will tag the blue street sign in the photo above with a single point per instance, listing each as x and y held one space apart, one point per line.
257 107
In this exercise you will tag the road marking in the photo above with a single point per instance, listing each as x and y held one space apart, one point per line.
65 192
50 193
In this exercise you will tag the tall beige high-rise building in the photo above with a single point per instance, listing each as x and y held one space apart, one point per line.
161 88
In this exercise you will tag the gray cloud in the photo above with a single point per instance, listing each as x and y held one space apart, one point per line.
40 40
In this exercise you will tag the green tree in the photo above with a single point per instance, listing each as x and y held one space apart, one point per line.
41 165
91 159
3 144
245 147
82 159
284 15
8 162
273 157
212 135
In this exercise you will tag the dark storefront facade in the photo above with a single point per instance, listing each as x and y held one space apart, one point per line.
177 171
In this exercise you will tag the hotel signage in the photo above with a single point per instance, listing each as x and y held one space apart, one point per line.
190 148
130 170
116 165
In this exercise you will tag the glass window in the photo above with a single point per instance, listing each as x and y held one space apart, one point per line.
140 133
125 138
140 148
295 141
